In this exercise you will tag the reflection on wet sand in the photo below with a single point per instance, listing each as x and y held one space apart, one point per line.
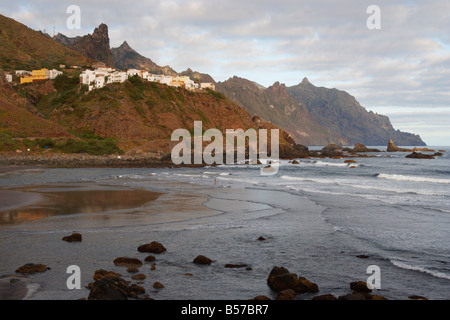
83 201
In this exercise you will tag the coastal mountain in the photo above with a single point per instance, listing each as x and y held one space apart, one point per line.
66 40
197 76
313 115
94 46
342 113
148 111
22 48
126 57
275 104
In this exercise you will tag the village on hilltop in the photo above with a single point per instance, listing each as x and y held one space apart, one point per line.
102 75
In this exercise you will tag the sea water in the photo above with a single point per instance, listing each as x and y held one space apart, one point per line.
316 217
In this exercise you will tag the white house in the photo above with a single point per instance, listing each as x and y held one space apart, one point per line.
165 80
23 72
207 85
99 80
134 72
87 76
105 69
52 74
117 77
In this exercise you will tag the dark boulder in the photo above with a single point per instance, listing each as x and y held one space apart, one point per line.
31 268
74 237
153 247
109 288
303 285
127 262
101 273
418 155
359 286
281 279
359 147
287 294
332 147
202 260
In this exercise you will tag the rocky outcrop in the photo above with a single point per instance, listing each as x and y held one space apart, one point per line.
359 147
418 155
393 148
332 147
343 116
281 279
276 105
95 46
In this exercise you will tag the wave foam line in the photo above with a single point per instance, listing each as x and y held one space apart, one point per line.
435 274
400 177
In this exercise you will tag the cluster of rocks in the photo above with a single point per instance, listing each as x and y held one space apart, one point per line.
415 151
288 285
110 285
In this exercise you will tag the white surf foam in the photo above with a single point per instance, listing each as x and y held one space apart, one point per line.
405 266
400 177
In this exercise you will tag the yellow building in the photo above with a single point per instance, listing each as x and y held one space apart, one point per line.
26 79
40 74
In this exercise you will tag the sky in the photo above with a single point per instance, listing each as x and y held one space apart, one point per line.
401 70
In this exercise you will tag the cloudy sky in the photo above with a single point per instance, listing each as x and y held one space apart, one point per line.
401 70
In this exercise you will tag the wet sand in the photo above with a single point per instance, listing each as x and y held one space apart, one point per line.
40 202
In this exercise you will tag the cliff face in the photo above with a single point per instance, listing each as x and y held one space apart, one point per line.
126 57
275 104
94 46
340 112
315 116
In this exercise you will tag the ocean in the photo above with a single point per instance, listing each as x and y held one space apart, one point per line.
316 218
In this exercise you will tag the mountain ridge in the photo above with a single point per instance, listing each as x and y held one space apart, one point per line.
311 115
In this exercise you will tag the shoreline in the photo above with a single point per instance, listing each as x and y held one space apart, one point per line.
186 235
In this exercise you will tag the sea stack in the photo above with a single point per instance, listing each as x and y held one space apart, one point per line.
391 146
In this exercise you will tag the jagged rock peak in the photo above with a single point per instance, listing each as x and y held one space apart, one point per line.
102 29
278 88
125 45
305 81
